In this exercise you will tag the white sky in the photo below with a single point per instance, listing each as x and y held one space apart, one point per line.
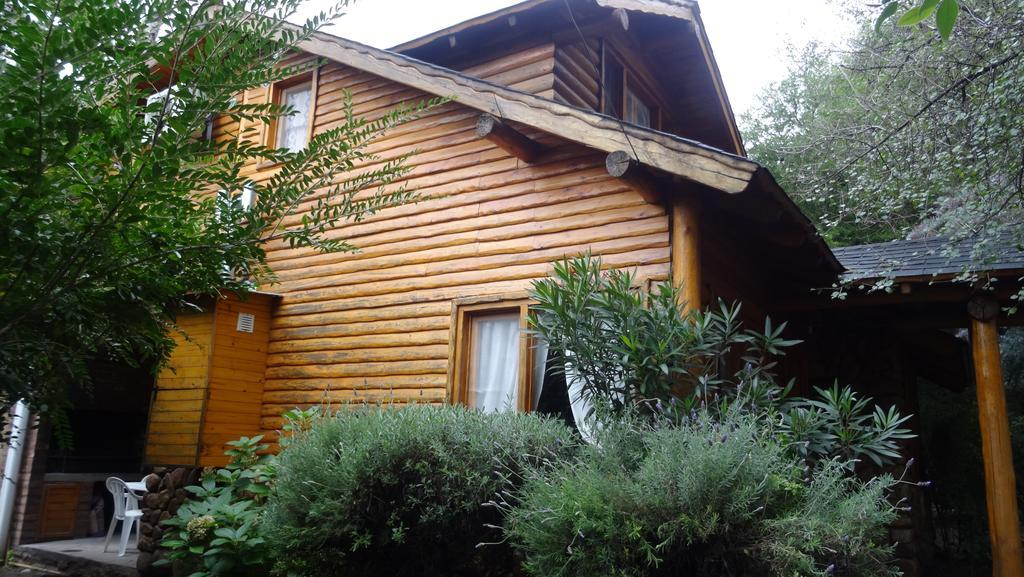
749 37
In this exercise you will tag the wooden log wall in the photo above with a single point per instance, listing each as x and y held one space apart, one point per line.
577 74
529 69
176 413
374 325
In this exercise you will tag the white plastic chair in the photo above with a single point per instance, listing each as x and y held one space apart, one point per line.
126 510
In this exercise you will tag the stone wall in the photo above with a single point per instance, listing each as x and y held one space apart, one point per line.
165 494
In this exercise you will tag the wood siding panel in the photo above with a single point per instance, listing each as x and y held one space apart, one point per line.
237 371
175 415
530 69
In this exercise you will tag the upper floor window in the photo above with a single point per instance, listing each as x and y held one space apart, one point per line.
623 95
292 131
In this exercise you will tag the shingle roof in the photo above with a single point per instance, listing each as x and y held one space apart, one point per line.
930 257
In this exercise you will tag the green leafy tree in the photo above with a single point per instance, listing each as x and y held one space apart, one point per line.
115 202
901 133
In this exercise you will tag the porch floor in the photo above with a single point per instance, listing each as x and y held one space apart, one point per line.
78 557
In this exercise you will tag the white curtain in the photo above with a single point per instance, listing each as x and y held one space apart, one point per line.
540 362
292 129
493 384
580 405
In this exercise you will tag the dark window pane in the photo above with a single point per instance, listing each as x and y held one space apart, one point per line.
612 84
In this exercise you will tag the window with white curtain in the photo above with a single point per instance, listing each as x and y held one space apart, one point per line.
493 371
623 94
489 348
293 130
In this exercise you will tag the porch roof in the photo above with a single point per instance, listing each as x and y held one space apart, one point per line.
936 258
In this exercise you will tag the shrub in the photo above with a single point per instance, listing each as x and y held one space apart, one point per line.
707 498
215 533
637 351
377 491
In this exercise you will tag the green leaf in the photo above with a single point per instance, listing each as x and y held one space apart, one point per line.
886 14
917 14
945 17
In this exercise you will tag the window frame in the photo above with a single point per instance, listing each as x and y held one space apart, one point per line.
274 95
461 345
631 81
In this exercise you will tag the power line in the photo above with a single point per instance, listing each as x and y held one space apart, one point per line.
600 78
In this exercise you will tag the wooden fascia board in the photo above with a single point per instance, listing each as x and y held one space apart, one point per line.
716 79
466 25
707 166
650 7
769 186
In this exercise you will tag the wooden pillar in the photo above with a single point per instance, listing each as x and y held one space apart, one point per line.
686 269
1000 485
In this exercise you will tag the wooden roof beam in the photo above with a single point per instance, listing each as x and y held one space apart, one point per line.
672 154
623 166
507 138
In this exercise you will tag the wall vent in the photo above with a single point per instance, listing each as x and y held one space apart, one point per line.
246 322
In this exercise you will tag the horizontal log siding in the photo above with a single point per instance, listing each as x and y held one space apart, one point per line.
530 70
577 74
176 412
373 326
237 370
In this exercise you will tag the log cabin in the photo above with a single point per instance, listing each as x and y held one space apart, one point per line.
572 126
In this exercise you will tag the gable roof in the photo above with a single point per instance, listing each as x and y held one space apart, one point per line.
929 258
673 154
682 9
674 25
679 157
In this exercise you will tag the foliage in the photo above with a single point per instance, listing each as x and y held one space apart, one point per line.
379 491
842 424
710 497
946 13
115 204
899 134
636 350
216 532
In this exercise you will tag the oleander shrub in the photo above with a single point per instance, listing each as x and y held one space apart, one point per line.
706 498
636 351
389 491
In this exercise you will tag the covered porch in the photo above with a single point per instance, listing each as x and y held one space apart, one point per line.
929 325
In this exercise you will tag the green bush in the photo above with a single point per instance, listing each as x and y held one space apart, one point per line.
379 491
707 498
216 532
637 351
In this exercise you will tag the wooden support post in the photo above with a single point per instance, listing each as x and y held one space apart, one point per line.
686 269
621 165
1000 485
507 138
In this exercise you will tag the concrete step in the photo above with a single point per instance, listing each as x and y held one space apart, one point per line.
72 558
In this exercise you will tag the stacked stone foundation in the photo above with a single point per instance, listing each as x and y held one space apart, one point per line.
165 494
